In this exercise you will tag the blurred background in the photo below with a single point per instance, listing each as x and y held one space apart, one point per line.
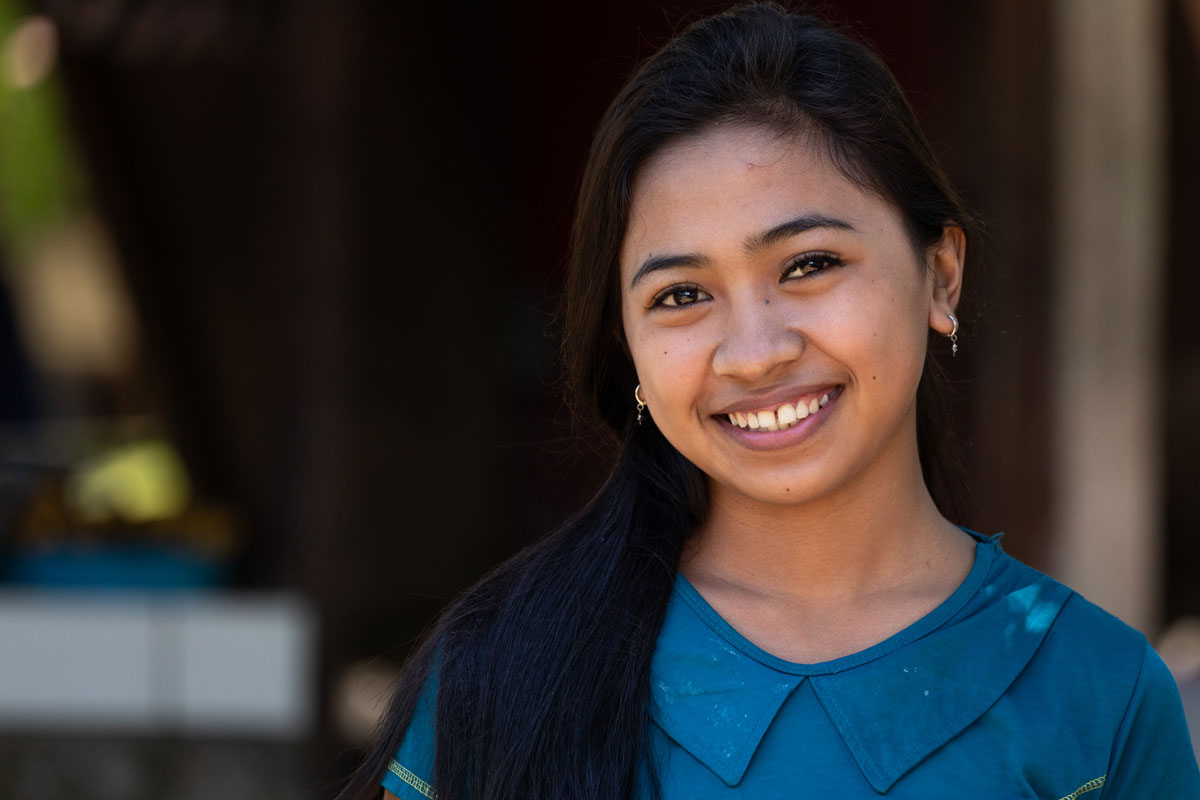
277 355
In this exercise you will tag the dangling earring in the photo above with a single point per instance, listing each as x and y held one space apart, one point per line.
953 335
641 404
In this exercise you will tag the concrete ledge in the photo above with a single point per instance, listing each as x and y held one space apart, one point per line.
205 664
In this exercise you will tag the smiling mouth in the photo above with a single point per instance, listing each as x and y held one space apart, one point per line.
782 417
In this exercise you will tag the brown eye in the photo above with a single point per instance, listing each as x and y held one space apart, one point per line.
810 263
681 296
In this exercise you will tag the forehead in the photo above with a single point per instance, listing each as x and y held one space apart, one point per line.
709 189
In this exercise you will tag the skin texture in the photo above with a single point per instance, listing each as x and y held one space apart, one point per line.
821 539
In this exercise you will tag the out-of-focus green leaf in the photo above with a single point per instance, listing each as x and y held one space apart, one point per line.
40 181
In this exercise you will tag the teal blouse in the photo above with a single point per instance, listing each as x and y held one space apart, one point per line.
1014 687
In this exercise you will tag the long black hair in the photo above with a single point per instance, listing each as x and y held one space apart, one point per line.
543 667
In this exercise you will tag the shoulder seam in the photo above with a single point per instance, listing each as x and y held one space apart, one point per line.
406 775
1092 785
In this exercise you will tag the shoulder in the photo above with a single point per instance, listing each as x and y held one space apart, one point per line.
409 773
1095 669
1080 623
1068 664
1095 692
1086 650
1095 641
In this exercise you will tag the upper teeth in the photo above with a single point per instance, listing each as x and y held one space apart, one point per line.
781 418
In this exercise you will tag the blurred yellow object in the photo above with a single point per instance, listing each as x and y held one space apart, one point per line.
138 482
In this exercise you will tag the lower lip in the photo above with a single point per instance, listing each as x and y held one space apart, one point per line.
774 440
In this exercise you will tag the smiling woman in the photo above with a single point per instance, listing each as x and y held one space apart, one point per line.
782 359
767 597
796 285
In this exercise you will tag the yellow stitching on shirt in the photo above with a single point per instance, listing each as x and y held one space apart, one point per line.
424 788
1094 783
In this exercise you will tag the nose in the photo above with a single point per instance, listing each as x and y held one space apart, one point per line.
756 341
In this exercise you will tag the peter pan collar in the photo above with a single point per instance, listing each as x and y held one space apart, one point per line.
715 693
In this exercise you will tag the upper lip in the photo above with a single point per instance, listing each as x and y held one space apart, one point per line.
774 398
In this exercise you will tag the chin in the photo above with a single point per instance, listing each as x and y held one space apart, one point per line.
784 491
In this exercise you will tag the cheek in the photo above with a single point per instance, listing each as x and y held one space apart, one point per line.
880 328
670 364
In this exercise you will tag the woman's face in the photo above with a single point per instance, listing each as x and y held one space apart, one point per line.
777 315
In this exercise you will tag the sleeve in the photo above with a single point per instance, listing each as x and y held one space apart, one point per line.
1152 754
410 772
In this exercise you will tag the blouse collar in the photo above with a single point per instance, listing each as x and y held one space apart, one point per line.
715 693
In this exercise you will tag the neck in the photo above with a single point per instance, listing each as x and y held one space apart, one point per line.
882 531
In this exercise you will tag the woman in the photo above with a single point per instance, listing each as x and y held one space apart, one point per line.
766 597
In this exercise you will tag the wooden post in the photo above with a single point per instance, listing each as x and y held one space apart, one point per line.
1105 332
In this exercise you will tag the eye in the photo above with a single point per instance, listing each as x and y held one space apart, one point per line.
808 263
683 295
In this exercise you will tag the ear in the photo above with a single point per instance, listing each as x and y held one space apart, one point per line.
946 267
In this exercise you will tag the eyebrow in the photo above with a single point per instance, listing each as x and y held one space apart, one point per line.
753 244
793 227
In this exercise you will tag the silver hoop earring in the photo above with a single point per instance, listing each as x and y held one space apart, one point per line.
641 404
953 335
